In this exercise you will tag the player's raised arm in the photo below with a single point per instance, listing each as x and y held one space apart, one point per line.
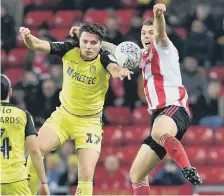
159 23
33 43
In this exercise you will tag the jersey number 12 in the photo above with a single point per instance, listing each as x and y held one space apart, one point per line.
5 148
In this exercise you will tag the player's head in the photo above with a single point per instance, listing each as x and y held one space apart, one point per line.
6 90
147 34
90 38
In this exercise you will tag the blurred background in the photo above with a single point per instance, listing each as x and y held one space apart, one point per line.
197 30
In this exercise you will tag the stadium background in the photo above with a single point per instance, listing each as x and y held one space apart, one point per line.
196 29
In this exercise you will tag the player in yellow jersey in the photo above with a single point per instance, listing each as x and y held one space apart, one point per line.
16 127
86 73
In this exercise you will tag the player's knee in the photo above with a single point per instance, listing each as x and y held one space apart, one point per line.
86 174
156 134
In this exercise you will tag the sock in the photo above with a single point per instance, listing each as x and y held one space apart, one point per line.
141 188
33 177
84 188
175 150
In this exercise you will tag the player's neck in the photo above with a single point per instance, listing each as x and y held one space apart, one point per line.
86 59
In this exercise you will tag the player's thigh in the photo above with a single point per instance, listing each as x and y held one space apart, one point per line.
87 159
145 161
53 133
16 188
88 138
163 124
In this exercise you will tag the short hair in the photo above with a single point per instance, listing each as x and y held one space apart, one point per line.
148 22
93 28
5 86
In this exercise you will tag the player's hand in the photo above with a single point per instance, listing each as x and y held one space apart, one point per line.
44 190
74 31
125 73
25 32
159 9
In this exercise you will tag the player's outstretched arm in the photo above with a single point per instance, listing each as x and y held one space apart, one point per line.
37 160
33 43
119 72
159 23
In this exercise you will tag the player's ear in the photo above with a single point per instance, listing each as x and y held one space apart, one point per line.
10 92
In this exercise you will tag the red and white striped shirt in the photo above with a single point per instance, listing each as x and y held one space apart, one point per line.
162 77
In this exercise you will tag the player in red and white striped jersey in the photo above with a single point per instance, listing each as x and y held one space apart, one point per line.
167 102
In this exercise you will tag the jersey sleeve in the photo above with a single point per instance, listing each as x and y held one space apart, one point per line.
107 58
30 127
61 48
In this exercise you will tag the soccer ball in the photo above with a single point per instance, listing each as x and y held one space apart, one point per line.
128 55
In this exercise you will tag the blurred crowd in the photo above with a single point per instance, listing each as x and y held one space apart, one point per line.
200 48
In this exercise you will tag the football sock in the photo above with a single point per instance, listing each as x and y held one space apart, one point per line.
84 188
175 150
141 188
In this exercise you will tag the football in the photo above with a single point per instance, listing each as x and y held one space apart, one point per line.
128 55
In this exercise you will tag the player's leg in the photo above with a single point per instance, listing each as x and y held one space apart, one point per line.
87 159
16 188
88 137
50 136
168 128
145 161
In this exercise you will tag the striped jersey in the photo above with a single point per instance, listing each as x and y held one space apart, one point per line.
162 77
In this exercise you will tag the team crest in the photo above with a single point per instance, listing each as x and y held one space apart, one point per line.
92 69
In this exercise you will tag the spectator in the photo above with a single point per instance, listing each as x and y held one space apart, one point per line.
195 83
53 172
18 98
56 74
210 106
113 34
131 90
48 99
30 85
135 28
170 174
112 177
8 33
199 43
202 13
70 176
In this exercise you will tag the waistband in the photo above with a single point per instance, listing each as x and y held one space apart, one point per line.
97 115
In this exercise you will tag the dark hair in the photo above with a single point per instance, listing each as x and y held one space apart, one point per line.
148 22
93 28
5 86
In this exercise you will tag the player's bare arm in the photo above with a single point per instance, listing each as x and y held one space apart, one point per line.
119 72
37 160
159 23
109 46
33 43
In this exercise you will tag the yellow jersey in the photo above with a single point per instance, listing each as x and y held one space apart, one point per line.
16 125
85 83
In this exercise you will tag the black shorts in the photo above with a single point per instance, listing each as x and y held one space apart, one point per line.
182 120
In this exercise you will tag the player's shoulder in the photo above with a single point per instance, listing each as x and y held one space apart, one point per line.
12 108
106 56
